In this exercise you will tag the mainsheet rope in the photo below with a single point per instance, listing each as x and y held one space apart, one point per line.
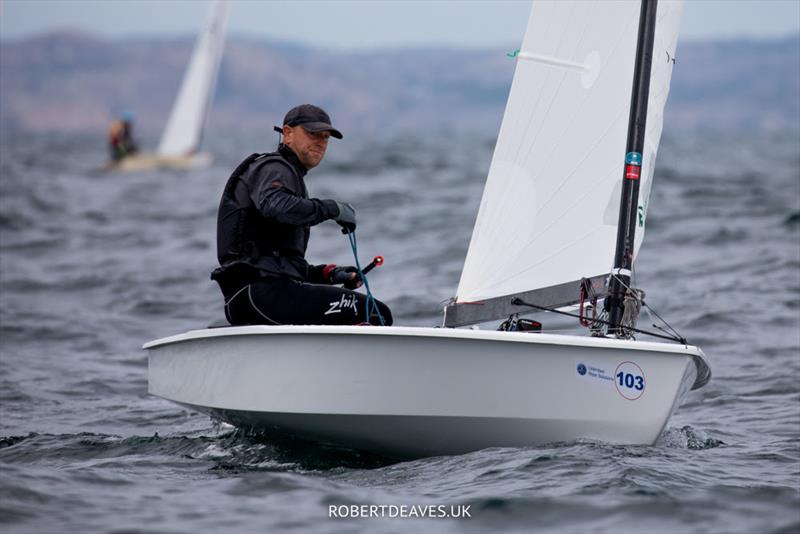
370 299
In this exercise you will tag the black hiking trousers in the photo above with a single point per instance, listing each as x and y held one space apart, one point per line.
282 301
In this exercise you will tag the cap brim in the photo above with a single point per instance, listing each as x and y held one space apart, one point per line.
322 127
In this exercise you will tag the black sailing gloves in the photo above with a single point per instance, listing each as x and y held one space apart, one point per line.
346 217
348 276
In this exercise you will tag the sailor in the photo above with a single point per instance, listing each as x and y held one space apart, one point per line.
120 137
263 227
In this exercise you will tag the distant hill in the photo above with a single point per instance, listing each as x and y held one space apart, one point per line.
77 82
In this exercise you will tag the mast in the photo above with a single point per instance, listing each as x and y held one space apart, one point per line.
626 229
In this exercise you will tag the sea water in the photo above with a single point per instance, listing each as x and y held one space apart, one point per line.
92 265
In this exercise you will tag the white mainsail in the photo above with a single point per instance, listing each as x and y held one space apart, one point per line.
551 203
185 125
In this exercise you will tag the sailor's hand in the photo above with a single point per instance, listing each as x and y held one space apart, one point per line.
346 217
345 275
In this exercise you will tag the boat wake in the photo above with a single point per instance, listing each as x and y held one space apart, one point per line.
242 451
687 437
229 451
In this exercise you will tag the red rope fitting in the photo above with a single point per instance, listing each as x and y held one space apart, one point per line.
326 272
586 291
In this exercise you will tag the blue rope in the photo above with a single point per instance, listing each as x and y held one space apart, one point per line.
370 299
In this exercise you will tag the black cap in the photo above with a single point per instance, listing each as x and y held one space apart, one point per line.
312 118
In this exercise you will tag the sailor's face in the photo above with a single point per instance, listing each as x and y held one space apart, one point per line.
310 147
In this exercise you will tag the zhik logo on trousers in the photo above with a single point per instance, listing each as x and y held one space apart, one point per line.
347 301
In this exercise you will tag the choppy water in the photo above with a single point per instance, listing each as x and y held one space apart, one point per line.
93 265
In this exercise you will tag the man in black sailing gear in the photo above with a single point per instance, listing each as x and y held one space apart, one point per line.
263 227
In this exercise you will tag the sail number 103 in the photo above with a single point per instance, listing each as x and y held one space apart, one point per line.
630 380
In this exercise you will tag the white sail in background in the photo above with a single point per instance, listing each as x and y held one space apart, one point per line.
185 125
550 207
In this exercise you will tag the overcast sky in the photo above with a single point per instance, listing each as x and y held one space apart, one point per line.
367 23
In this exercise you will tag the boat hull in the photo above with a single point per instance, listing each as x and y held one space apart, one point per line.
413 392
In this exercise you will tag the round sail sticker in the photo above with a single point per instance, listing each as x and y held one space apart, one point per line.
630 381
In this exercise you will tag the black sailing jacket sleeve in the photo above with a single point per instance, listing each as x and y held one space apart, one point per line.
280 196
318 274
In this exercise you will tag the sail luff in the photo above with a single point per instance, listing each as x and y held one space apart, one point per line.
664 51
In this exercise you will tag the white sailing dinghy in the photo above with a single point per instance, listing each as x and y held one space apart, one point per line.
180 141
568 184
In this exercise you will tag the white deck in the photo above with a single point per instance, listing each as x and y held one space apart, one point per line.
451 333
